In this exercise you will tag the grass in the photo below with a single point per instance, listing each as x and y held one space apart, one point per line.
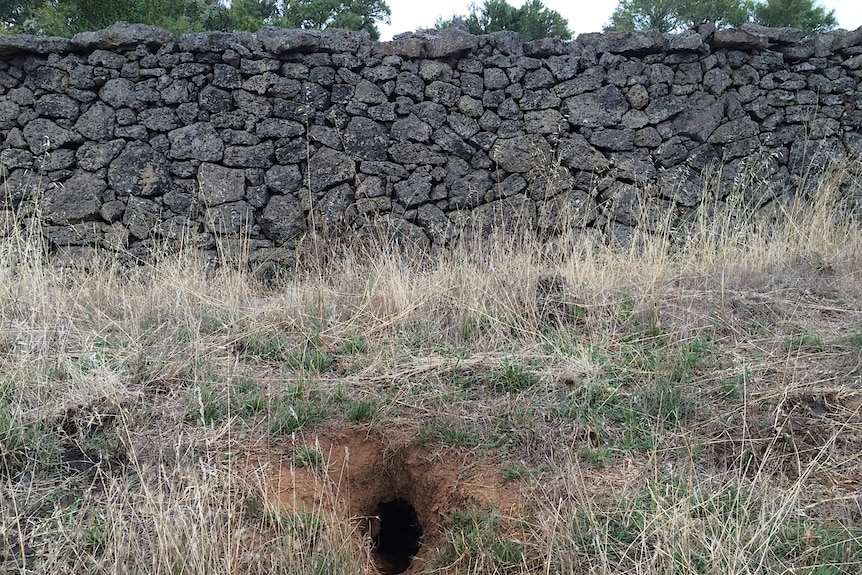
695 414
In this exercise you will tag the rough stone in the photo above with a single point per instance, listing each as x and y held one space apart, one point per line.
521 154
139 171
199 142
328 168
220 185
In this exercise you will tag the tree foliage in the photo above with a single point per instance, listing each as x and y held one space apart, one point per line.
67 17
315 14
801 14
532 20
673 15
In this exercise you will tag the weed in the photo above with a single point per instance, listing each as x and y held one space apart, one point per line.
310 358
514 471
596 456
361 410
354 345
303 407
854 338
310 457
474 543
730 386
804 342
512 378
451 434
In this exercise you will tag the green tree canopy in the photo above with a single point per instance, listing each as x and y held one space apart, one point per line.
801 14
67 17
315 14
532 20
672 15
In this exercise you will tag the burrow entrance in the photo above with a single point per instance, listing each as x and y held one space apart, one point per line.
396 535
401 495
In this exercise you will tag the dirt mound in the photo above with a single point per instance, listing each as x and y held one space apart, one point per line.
400 495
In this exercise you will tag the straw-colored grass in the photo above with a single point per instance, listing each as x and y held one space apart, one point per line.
688 403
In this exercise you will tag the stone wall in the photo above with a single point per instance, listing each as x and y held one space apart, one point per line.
127 136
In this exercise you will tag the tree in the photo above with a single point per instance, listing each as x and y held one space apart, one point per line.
315 14
801 14
250 15
532 20
67 17
348 14
673 15
670 15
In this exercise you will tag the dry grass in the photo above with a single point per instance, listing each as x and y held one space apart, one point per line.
687 403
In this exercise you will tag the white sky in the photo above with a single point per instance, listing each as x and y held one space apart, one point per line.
583 15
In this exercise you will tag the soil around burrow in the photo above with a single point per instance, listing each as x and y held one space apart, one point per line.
364 470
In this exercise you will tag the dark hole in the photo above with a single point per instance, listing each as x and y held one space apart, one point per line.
396 541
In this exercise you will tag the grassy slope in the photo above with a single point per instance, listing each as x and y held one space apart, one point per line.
686 404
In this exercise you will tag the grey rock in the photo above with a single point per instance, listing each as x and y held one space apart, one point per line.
521 154
471 190
328 168
259 156
78 198
328 213
501 216
44 135
408 84
443 93
571 210
220 185
734 130
605 107
118 92
122 34
411 128
450 43
415 153
141 217
93 156
615 140
416 189
159 119
97 123
739 39
635 166
57 106
283 40
286 180
282 219
366 139
139 171
22 43
576 153
369 93
664 108
548 121
436 224
279 128
229 219
198 141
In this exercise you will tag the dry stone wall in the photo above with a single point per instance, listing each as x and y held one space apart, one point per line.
124 137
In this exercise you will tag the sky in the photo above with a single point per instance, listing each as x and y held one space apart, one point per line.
583 15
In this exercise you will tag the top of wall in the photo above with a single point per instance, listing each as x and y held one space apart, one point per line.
791 42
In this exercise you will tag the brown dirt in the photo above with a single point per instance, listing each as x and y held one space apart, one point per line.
365 469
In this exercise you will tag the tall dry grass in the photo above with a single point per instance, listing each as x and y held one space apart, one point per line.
122 450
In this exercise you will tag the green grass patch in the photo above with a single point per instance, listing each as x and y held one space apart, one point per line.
302 406
474 542
810 342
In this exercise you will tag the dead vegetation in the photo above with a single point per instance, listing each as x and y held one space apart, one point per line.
688 403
